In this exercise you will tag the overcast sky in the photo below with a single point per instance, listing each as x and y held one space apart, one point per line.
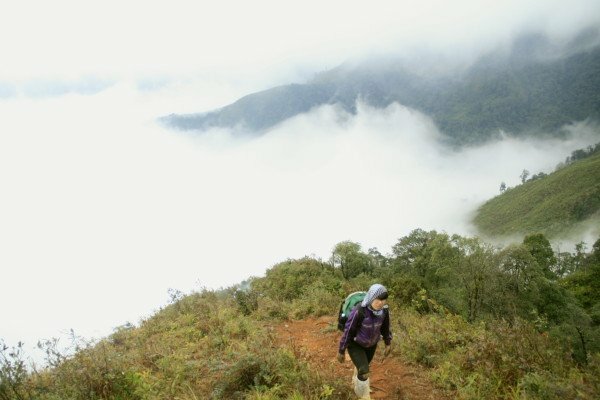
259 40
102 210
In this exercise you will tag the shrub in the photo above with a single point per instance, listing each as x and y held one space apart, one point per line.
288 280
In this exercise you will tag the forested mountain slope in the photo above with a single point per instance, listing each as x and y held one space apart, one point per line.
519 93
549 204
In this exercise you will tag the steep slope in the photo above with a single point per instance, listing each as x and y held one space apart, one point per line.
517 93
551 205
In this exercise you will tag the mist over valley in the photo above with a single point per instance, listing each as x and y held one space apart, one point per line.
174 167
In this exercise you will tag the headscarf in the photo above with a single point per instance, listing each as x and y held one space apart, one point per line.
374 292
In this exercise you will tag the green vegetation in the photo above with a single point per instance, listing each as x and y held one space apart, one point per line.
517 94
550 204
199 347
518 322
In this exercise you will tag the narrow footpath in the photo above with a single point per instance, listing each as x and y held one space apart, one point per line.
316 342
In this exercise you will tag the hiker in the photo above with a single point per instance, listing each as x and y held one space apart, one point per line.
367 323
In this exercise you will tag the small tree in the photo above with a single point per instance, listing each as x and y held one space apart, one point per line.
595 255
377 259
524 175
580 255
540 248
350 259
412 253
474 270
519 282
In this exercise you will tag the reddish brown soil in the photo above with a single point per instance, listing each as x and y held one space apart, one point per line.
315 341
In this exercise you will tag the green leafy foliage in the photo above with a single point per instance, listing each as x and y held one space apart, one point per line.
290 279
541 250
486 322
349 258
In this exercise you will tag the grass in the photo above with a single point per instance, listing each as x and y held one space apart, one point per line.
217 345
550 205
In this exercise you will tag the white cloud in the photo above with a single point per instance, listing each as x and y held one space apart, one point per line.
102 210
270 40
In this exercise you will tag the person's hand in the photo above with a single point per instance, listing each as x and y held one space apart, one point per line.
387 350
341 357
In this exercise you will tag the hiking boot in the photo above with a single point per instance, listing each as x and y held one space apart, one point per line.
362 389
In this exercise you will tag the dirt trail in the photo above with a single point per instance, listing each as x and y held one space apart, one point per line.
315 341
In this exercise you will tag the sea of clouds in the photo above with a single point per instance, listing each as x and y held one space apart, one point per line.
103 209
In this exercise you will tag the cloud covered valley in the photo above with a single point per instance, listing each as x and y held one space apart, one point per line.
104 209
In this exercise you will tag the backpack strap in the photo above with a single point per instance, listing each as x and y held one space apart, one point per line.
360 313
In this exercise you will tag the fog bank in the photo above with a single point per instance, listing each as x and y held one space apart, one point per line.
256 45
103 211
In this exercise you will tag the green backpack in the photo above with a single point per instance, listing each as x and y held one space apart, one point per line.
347 306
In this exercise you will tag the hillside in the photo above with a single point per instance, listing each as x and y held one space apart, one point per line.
552 204
529 90
469 321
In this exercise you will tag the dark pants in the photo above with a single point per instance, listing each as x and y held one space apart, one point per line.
361 358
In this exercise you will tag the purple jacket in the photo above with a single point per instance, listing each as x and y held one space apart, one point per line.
367 333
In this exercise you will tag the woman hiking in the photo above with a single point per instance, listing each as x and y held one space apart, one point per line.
367 323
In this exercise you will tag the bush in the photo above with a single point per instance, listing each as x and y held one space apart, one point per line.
319 300
288 280
402 288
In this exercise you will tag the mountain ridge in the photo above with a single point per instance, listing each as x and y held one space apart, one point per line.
499 93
